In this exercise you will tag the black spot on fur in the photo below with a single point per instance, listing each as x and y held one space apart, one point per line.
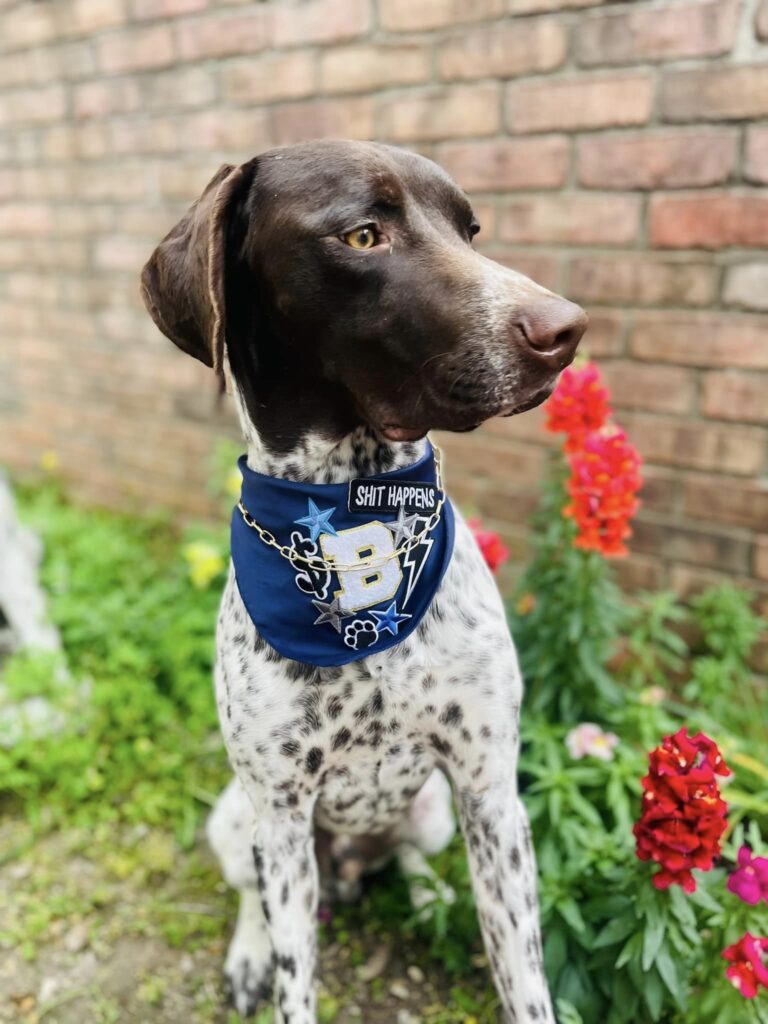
314 760
334 707
342 738
440 745
290 748
452 714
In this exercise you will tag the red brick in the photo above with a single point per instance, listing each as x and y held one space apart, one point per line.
605 334
658 159
33 106
756 163
512 466
761 21
229 129
320 21
135 49
712 221
346 118
115 253
539 267
586 102
650 388
106 96
407 16
702 339
150 9
364 68
735 396
455 112
698 445
662 489
115 182
530 46
761 553
486 213
86 17
702 29
218 35
642 281
28 67
746 285
180 87
276 76
716 93
507 164
25 218
699 546
537 6
727 500
639 573
27 25
570 220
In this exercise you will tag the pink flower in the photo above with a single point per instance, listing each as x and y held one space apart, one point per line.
589 740
749 964
750 880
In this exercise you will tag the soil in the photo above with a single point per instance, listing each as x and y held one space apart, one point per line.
100 928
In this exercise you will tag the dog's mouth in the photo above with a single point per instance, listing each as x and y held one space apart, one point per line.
464 420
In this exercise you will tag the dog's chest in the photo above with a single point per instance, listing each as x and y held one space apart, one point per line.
365 736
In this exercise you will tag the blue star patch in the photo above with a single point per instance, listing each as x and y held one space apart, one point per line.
317 521
389 619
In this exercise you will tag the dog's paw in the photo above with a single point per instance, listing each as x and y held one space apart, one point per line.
249 969
248 983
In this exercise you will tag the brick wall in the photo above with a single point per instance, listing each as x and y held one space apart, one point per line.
617 152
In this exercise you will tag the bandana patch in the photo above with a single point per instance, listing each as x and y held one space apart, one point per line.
375 530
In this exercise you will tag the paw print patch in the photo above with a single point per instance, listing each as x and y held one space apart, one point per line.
360 634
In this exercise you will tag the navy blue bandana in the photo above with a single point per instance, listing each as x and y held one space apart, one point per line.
313 613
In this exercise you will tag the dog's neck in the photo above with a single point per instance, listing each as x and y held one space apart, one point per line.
322 459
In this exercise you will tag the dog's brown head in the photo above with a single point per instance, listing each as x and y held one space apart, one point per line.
340 279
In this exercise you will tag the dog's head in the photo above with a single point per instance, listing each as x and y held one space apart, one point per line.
341 281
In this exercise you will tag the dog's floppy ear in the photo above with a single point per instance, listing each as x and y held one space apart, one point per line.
183 282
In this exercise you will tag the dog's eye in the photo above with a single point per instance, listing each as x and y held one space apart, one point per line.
474 227
362 238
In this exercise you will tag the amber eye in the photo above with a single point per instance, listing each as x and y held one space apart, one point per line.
362 238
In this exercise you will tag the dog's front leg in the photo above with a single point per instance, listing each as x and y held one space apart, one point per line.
503 869
283 850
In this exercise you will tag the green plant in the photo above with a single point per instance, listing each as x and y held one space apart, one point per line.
137 739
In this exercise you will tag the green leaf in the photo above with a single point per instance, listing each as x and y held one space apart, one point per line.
653 937
653 994
665 965
570 912
615 931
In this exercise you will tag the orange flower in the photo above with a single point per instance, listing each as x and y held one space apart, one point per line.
605 479
578 406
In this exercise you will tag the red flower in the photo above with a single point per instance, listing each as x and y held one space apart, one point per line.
493 550
683 817
605 479
578 406
749 964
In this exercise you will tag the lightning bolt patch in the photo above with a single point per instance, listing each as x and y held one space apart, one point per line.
414 561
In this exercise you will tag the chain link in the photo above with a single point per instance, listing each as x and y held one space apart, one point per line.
366 563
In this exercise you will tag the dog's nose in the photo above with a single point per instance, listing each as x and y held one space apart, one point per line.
554 326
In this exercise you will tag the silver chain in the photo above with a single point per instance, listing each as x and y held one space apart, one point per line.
365 563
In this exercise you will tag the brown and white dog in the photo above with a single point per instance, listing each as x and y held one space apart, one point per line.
336 285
